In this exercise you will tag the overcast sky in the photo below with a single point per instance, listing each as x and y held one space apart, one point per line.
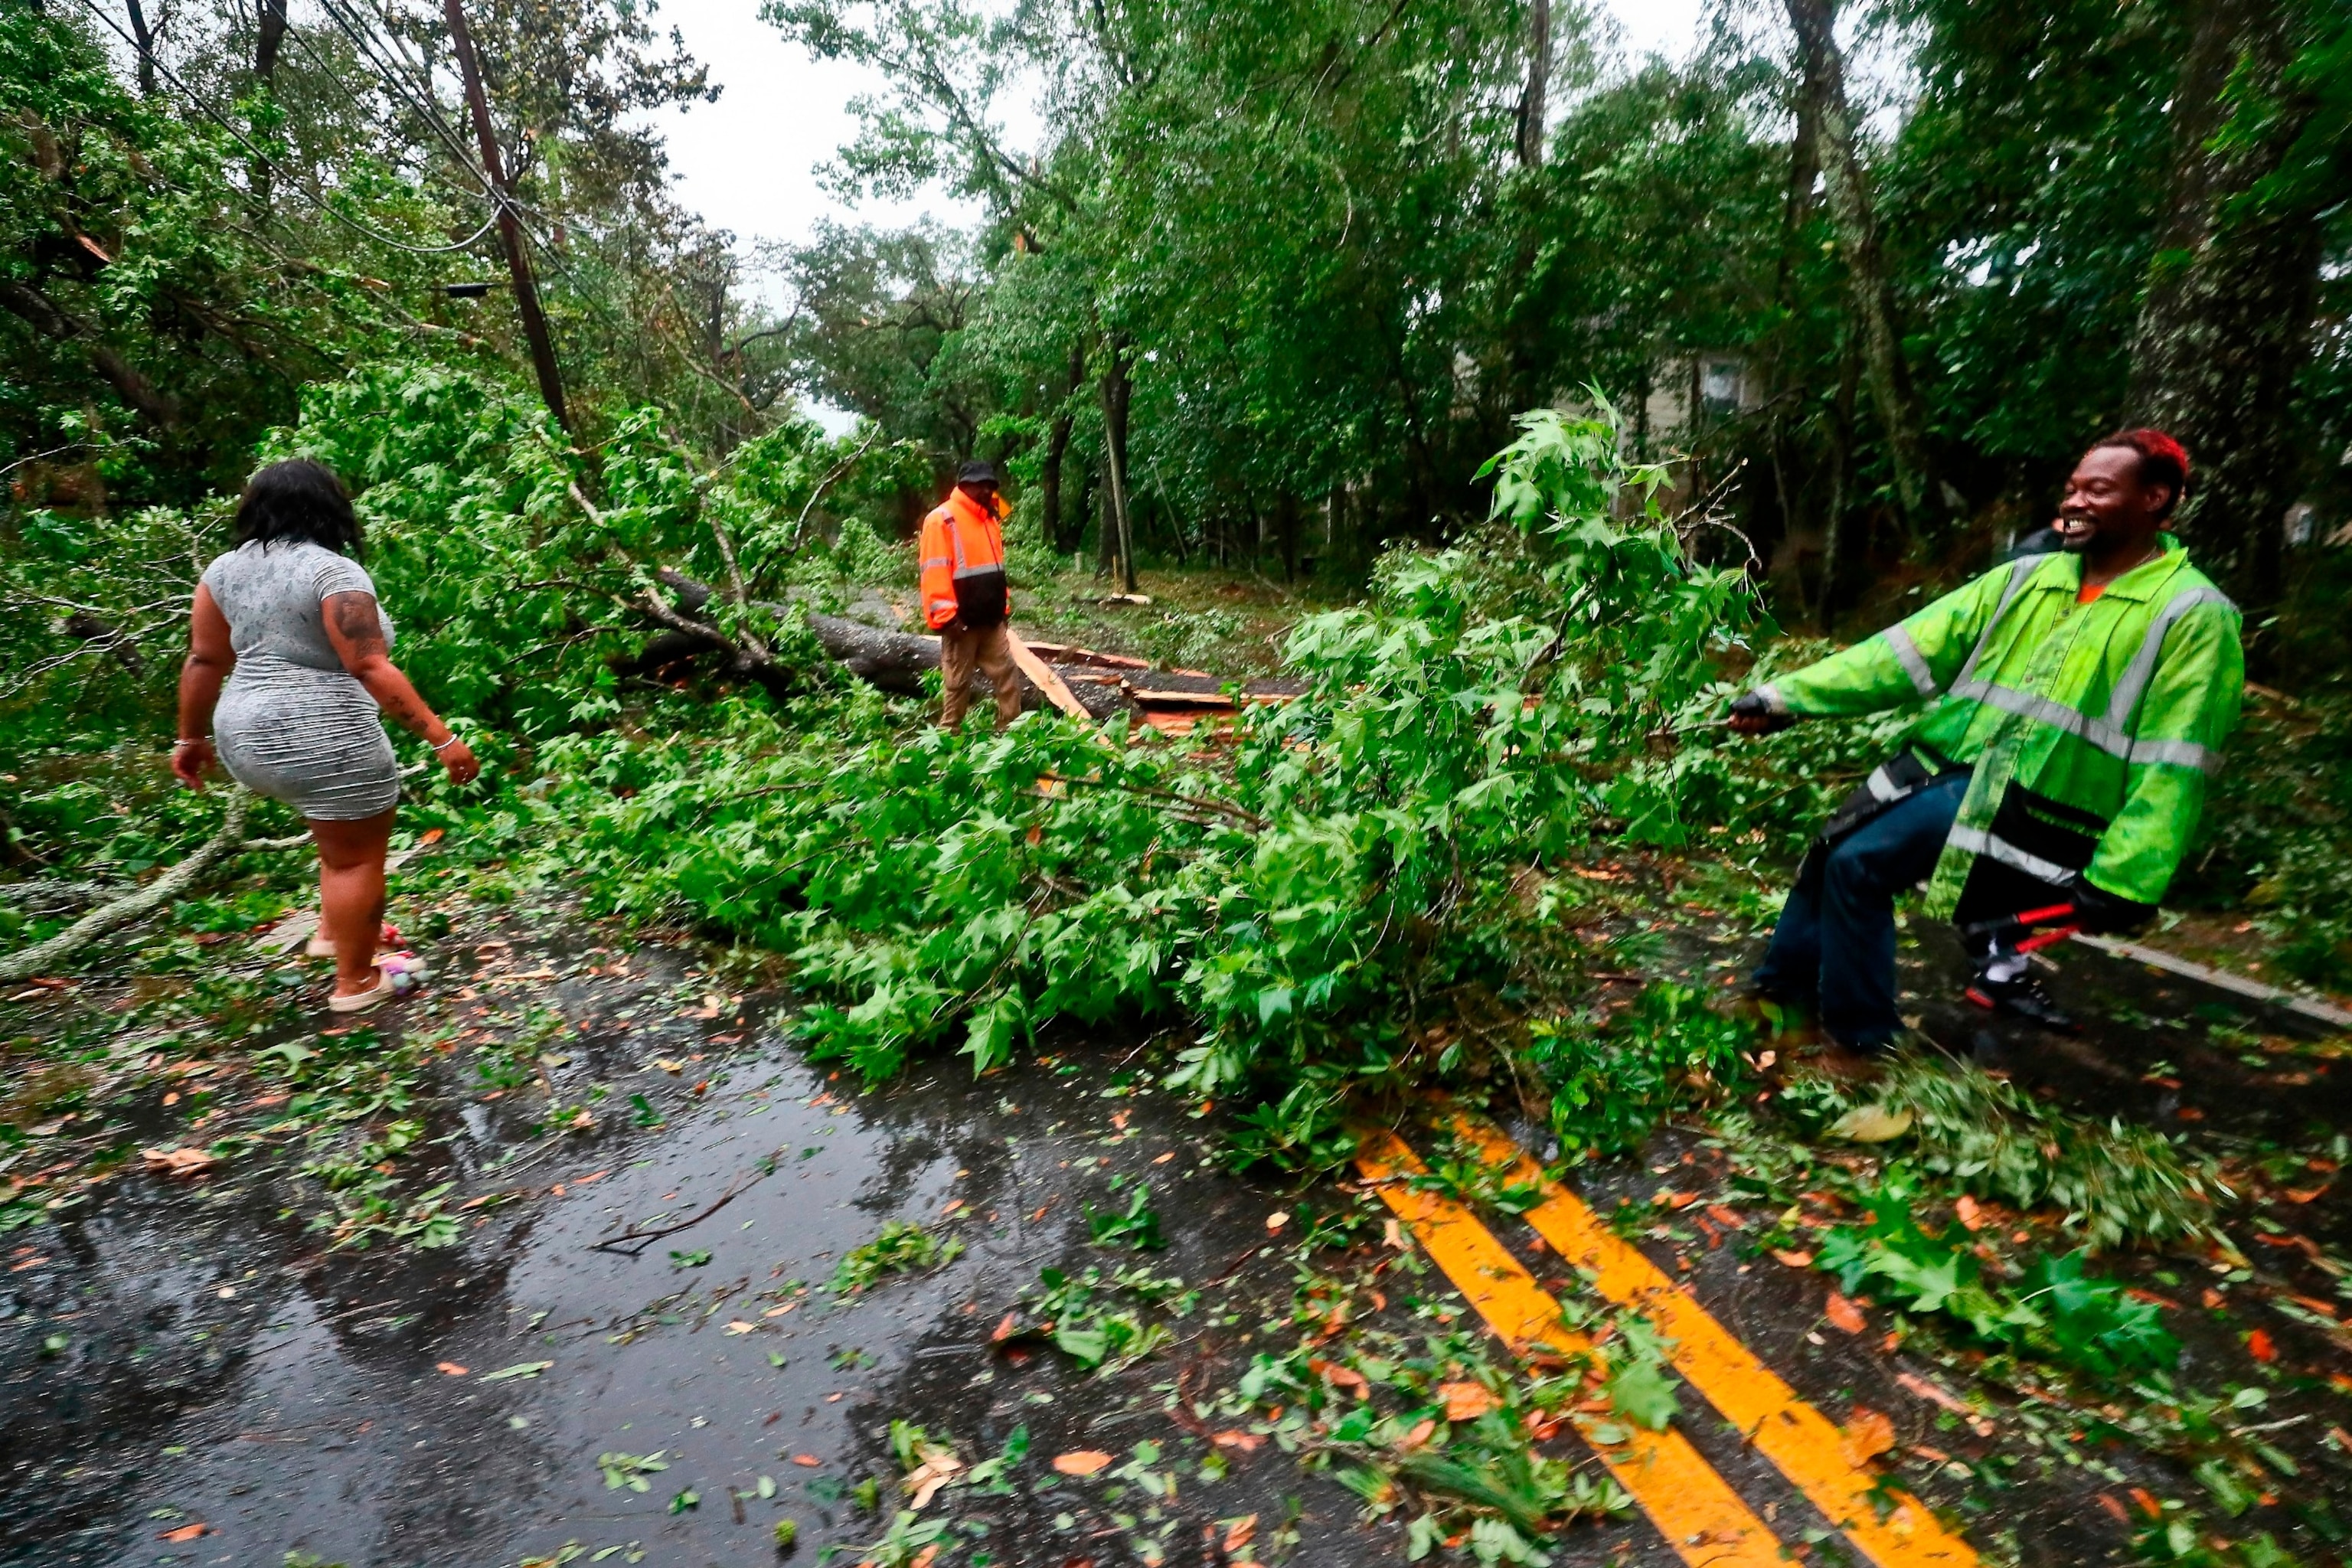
749 163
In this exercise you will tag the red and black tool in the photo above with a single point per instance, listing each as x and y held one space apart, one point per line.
2017 933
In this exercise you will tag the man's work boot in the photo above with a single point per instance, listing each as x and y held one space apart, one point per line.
2022 997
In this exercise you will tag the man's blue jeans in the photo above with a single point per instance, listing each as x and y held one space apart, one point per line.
1835 941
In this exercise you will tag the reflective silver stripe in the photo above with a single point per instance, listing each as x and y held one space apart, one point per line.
2055 714
1976 841
932 561
1773 700
2142 669
1915 664
2179 753
2113 741
1883 787
2019 571
955 540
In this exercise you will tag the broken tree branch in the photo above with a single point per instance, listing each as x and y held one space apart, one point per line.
634 1241
26 963
824 484
1254 823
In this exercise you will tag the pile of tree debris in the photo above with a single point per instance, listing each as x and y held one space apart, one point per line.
1079 681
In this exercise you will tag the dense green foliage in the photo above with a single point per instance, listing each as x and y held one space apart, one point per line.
1317 257
1310 904
2054 1308
177 263
511 591
1279 277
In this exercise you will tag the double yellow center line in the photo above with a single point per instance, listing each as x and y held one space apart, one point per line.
1695 1509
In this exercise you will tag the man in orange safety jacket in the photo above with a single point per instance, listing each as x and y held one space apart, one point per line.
965 597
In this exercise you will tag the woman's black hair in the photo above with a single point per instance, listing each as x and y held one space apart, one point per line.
299 499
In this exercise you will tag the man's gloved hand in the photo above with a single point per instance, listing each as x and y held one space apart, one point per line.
2102 913
1751 715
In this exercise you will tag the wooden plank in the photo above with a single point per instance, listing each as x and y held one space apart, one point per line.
1150 699
1043 677
2221 979
1064 653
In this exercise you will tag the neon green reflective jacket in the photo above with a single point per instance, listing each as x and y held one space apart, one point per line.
2090 724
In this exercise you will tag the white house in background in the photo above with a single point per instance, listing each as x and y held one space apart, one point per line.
1720 384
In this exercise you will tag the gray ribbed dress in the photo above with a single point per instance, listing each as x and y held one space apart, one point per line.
291 722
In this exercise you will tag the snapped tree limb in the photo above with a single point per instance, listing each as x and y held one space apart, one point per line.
26 963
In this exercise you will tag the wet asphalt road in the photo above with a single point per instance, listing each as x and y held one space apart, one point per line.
222 1371
220 1368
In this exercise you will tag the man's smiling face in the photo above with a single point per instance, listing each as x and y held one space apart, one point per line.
2105 498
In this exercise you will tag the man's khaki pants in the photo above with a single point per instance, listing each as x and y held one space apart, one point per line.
962 650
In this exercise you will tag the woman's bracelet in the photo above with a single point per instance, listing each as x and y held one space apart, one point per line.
187 741
445 745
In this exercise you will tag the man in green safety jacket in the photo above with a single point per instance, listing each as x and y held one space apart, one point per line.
2076 704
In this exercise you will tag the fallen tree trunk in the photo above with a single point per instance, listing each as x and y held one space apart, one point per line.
26 963
892 660
895 661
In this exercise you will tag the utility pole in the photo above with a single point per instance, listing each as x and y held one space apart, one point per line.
535 324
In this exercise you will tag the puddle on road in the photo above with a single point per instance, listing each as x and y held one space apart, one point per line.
183 1357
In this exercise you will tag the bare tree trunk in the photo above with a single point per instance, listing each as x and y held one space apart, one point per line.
526 288
1057 443
1834 541
2227 322
144 38
1117 389
1796 212
269 39
1531 97
1891 389
1642 409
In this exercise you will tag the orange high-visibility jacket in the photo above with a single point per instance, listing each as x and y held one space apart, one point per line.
963 548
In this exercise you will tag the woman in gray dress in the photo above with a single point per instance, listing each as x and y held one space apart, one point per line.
288 667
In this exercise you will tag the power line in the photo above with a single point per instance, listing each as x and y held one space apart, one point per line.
377 46
317 199
363 37
329 70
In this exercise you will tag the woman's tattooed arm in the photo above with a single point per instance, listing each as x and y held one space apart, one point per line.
356 629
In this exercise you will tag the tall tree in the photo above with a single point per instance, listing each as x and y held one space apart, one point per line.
1538 84
1892 391
2227 326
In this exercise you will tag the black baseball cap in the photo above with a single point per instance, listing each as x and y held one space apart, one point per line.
977 473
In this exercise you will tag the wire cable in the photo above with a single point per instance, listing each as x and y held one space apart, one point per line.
364 39
316 199
378 44
329 70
